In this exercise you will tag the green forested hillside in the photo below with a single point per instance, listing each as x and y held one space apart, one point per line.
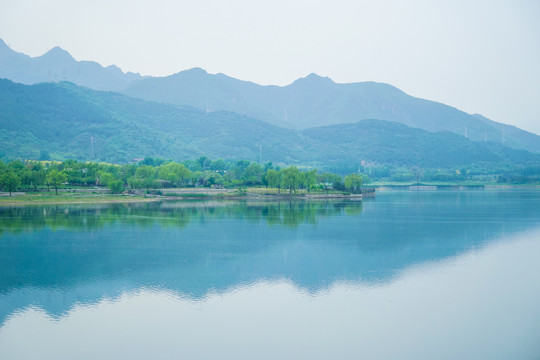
62 119
318 101
67 121
399 145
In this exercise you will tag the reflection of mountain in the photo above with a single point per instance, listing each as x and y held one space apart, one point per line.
83 253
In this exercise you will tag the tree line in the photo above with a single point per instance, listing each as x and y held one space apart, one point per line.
153 173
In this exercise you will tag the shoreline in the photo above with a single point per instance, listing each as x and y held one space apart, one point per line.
78 201
69 197
74 196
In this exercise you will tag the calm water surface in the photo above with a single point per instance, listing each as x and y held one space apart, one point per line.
408 275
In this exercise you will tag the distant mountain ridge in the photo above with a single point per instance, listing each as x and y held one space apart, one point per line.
69 121
307 102
58 65
318 101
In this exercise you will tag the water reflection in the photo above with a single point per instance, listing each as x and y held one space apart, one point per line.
54 257
481 305
18 219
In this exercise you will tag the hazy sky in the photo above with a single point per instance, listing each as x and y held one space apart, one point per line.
479 56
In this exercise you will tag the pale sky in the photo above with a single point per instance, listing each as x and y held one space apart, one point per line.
479 56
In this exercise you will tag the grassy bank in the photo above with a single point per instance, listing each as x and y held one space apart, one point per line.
70 198
73 196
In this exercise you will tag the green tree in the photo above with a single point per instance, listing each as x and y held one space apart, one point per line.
338 184
290 178
252 174
56 178
135 183
126 171
10 181
34 177
273 178
16 165
147 161
327 179
144 178
112 182
174 173
106 178
212 178
353 182
204 162
239 168
183 175
309 178
75 175
197 178
267 166
217 165
116 186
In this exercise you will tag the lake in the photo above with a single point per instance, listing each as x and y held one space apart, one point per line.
408 275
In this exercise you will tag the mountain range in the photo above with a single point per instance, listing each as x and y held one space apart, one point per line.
82 110
318 101
69 121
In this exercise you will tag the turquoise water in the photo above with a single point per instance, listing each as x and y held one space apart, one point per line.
408 275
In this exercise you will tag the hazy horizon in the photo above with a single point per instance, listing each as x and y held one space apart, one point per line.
480 58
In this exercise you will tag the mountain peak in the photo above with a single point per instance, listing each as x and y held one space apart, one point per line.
315 76
313 79
196 71
58 53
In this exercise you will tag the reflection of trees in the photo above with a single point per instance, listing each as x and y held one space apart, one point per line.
85 217
292 214
354 210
